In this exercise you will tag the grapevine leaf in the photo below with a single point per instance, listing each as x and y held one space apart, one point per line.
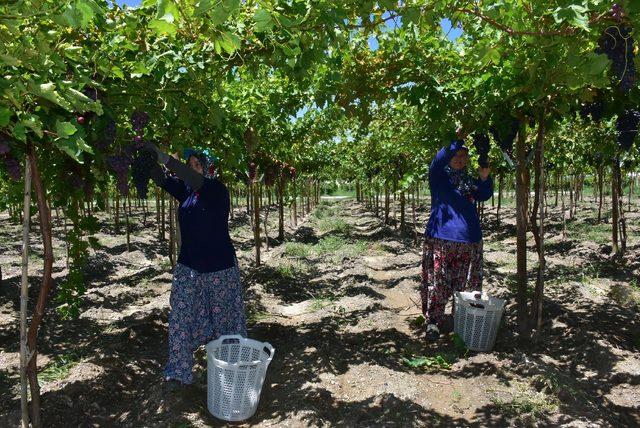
9 60
32 122
166 10
65 129
85 13
388 4
117 71
411 15
48 91
574 14
20 132
74 147
264 21
83 103
203 7
79 14
163 27
5 116
219 15
229 42
595 63
231 5
139 70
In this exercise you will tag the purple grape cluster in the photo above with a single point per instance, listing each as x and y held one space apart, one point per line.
73 180
506 135
139 120
11 164
110 131
140 168
109 136
482 145
618 45
592 110
270 175
627 126
13 167
91 93
616 12
120 165
4 146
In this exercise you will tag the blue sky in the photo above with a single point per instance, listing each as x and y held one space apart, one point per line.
128 2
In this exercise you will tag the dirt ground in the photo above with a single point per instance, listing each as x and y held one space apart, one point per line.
339 302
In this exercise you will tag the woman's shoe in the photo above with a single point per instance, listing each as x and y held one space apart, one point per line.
433 333
172 387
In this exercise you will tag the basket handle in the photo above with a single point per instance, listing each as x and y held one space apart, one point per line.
227 337
476 305
270 348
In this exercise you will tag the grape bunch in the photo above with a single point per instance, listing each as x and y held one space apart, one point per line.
73 180
593 110
139 120
108 135
13 167
110 131
4 146
616 12
91 93
481 143
618 45
120 165
627 126
506 135
10 163
270 175
142 164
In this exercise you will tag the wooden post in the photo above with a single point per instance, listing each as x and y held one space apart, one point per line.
47 281
127 214
500 187
522 190
295 207
162 215
24 297
117 211
615 215
387 202
256 221
280 207
402 209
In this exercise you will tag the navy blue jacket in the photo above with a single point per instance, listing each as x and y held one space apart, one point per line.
453 215
204 230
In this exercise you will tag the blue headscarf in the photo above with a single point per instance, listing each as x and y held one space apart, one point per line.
206 160
461 179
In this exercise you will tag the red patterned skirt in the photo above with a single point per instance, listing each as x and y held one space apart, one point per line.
447 267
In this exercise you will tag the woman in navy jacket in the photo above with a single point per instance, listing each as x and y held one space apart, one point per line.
206 295
452 252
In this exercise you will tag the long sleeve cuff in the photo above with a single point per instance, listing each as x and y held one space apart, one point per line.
194 179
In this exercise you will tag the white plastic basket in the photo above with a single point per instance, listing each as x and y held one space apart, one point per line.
236 368
476 319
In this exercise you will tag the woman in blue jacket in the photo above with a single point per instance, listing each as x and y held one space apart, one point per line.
452 252
206 295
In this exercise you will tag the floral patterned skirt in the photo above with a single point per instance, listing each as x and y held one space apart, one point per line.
204 306
447 267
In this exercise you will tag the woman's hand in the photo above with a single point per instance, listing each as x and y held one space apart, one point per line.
483 173
162 157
